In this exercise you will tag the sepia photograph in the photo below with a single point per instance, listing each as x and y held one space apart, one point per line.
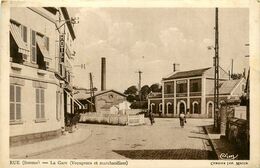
129 83
98 85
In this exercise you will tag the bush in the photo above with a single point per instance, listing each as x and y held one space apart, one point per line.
139 105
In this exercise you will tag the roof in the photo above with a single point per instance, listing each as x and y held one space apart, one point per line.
226 87
67 17
185 74
83 95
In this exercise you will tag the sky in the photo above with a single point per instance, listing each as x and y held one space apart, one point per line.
152 39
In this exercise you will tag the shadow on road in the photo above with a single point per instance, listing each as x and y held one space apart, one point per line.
188 154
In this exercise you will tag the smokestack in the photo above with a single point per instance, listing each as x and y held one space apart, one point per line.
103 73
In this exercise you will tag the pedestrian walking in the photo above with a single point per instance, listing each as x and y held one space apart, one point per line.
151 117
182 119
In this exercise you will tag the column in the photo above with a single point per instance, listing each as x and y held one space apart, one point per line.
188 94
203 95
163 110
174 95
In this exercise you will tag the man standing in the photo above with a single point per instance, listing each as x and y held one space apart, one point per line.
151 117
182 119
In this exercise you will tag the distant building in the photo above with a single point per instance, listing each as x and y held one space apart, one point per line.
102 100
40 73
192 92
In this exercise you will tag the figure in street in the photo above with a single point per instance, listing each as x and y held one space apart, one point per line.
182 119
151 117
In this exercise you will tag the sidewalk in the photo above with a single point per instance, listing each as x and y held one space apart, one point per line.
220 145
24 151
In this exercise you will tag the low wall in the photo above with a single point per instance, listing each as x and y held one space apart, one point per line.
113 119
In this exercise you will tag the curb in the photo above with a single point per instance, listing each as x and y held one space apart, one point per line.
49 150
211 143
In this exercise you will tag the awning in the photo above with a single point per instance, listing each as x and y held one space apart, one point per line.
16 33
43 49
77 102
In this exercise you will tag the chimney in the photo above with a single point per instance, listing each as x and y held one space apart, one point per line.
103 73
175 67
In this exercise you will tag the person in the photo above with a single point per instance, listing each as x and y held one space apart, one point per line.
182 119
151 117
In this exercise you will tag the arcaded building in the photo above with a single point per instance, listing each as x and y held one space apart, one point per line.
192 92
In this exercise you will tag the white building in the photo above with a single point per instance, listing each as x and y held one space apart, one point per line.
40 74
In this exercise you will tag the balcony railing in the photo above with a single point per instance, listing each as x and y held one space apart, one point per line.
195 93
181 94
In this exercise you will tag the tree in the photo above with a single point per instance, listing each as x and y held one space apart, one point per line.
156 87
132 90
145 90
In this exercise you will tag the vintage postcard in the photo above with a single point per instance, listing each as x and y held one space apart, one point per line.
130 84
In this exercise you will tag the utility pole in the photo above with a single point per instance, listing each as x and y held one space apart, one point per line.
216 75
139 84
232 61
91 92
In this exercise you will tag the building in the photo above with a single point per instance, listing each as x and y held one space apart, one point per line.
192 92
41 50
102 101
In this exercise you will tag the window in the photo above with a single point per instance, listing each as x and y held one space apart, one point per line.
195 87
181 89
58 105
33 46
168 88
24 33
40 112
46 42
15 103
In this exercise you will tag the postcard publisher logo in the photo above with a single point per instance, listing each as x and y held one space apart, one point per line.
226 156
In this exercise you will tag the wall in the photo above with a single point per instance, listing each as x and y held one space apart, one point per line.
28 98
105 101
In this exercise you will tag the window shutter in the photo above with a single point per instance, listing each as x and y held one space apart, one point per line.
12 111
24 34
12 93
18 94
18 111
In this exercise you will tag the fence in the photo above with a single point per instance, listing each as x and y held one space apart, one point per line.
113 119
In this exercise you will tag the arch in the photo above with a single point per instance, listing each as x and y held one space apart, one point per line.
169 107
152 107
181 106
160 107
210 109
195 107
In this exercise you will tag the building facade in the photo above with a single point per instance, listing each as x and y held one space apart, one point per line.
40 75
192 92
102 101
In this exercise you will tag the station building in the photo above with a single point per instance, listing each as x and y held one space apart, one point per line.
192 92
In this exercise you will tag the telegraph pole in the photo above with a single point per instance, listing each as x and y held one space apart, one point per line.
216 75
139 84
91 92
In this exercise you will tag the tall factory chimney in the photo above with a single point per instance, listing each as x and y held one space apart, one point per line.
103 73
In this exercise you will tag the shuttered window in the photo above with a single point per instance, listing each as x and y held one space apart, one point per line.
33 46
24 33
15 103
40 111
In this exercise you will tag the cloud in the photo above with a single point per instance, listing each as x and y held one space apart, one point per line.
121 36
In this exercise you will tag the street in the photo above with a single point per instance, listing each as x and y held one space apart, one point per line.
164 140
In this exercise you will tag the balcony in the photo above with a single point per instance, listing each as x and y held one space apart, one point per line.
169 95
195 93
181 94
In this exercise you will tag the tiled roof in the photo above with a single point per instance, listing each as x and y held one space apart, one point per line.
226 87
83 95
184 74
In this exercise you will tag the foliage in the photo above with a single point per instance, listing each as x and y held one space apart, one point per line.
132 90
236 76
139 105
145 90
156 87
